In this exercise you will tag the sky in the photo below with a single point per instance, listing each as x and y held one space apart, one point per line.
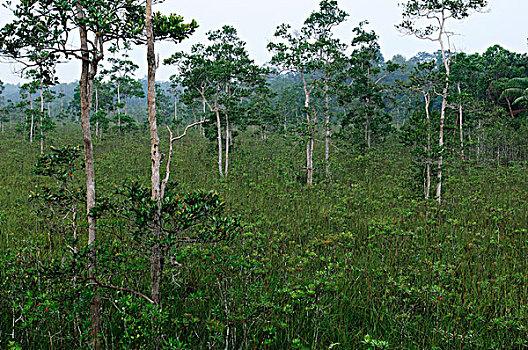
502 23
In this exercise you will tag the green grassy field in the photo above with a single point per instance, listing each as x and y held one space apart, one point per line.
354 262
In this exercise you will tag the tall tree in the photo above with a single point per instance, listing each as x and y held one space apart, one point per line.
437 13
121 76
329 53
365 86
417 131
293 53
158 27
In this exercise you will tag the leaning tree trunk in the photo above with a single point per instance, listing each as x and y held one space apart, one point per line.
155 156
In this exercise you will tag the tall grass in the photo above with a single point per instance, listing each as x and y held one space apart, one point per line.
356 261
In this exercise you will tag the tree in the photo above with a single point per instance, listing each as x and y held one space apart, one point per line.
329 53
27 90
417 132
103 100
293 53
42 78
315 55
362 86
121 76
222 75
159 27
437 13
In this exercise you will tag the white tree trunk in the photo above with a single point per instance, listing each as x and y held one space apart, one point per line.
446 61
460 123
31 126
327 131
118 104
309 142
227 142
219 138
427 190
41 119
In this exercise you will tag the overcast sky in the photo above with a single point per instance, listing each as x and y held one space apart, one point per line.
504 23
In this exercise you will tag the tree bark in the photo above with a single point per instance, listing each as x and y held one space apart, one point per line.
86 88
446 61
155 156
41 118
219 137
31 126
327 131
309 142
427 190
227 141
118 105
460 123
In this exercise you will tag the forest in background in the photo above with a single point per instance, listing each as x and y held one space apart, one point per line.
329 199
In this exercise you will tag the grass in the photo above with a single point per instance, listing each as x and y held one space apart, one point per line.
357 261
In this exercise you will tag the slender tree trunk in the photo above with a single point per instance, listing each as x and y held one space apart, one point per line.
175 109
41 118
367 132
118 105
96 110
202 117
460 123
156 259
427 191
86 88
446 61
478 140
327 131
31 125
441 145
227 141
309 142
219 137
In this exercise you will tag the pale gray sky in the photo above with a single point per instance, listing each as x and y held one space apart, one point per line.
504 23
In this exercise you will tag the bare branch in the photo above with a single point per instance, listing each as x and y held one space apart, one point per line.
186 129
122 289
172 139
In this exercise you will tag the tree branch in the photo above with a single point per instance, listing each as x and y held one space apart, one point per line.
122 289
171 140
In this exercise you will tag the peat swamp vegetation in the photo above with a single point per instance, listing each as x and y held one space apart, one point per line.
329 200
